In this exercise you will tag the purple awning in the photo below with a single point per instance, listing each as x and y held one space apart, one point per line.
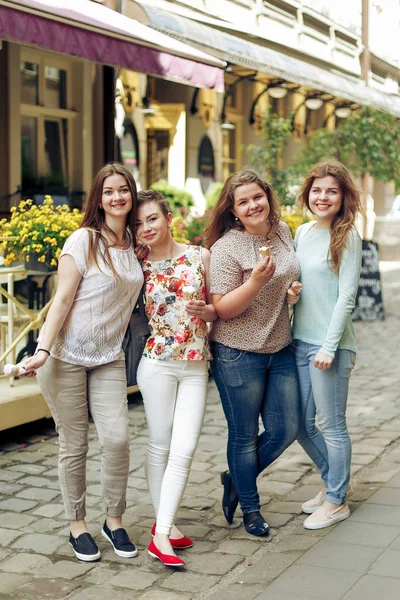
112 41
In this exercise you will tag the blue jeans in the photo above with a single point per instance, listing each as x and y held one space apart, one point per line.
250 385
324 394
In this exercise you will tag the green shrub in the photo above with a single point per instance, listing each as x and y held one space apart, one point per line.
177 199
212 197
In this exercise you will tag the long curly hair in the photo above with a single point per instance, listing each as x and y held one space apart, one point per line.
94 217
345 219
222 218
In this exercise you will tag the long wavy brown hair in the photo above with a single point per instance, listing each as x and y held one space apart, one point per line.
345 219
94 217
222 218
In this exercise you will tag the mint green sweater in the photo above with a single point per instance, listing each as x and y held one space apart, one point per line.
322 315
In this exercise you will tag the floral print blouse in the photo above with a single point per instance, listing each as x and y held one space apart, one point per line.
169 284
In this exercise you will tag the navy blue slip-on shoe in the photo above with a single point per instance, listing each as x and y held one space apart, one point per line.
255 524
85 547
120 541
230 498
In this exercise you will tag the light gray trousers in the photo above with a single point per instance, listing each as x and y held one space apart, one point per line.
69 390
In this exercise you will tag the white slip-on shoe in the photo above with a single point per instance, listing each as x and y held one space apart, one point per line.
315 503
327 515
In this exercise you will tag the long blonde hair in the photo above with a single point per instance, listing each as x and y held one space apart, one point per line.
222 218
345 219
94 217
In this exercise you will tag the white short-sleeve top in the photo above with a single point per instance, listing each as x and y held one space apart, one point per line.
94 329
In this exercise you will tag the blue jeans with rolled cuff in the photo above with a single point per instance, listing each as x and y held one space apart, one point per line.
323 395
253 385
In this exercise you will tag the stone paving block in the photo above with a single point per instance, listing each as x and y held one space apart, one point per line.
362 459
236 591
394 482
267 568
49 510
28 457
134 580
303 493
213 563
292 543
25 563
43 495
244 548
344 557
372 587
379 514
286 476
364 534
65 569
189 582
39 542
7 536
387 565
10 581
313 479
309 582
163 595
274 488
6 475
276 519
293 508
100 574
268 595
200 547
15 520
34 481
381 475
362 492
386 495
45 526
101 592
17 505
9 489
197 477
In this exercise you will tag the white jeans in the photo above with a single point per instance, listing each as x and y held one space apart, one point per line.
174 395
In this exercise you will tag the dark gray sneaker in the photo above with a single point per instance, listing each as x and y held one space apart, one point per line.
85 547
120 541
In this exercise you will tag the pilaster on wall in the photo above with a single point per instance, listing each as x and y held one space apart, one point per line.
87 124
4 127
14 118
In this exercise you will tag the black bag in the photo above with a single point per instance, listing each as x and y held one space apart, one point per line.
135 340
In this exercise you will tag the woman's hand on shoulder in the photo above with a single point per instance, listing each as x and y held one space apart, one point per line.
263 271
323 361
142 250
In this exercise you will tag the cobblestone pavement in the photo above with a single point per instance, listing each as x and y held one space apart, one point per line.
225 563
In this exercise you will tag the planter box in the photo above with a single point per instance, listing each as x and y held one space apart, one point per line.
33 264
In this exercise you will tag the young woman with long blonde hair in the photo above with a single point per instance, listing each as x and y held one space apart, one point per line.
329 252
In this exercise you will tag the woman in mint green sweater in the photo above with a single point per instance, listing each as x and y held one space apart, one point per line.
329 252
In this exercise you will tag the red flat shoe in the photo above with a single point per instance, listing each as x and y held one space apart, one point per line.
166 559
182 543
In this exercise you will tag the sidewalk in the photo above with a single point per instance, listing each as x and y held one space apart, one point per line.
355 559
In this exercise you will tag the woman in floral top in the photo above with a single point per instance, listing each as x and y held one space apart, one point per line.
173 372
